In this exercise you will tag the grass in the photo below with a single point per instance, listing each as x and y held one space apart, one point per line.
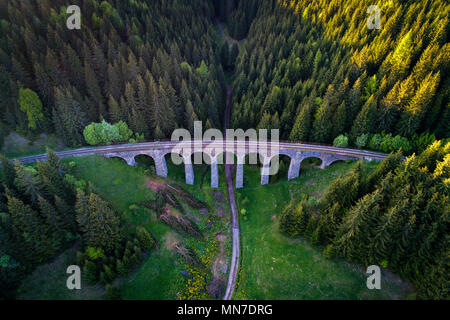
271 267
276 267
48 282
16 146
113 179
159 275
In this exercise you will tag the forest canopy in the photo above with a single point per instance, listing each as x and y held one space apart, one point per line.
317 71
151 64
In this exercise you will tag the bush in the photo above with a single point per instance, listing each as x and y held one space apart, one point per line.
124 131
362 140
341 141
386 143
94 253
90 272
146 241
109 273
375 141
113 293
140 137
122 271
101 133
401 142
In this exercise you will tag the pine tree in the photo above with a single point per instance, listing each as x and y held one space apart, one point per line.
339 120
98 222
8 172
52 219
417 108
302 125
145 239
32 230
27 182
366 120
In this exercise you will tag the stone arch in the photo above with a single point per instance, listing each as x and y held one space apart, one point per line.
175 164
201 167
280 165
309 162
334 161
128 157
118 158
146 160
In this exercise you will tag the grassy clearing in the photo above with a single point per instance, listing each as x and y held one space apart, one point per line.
159 275
272 266
16 146
276 267
48 282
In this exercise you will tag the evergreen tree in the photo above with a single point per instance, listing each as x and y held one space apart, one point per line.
98 222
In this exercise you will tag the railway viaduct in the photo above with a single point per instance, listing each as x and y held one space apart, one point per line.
158 150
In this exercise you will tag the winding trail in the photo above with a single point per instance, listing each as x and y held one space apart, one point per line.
229 169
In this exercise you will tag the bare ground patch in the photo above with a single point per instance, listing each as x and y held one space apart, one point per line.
217 285
219 200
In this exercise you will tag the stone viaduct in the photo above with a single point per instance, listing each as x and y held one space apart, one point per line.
296 152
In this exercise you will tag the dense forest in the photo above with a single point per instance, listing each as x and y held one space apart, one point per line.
314 70
45 210
152 64
396 216
137 70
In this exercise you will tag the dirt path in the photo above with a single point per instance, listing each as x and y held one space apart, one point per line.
229 170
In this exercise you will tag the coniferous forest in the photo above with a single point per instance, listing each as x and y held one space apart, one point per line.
152 64
138 70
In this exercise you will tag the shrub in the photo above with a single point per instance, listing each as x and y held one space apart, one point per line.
109 273
362 140
113 293
375 141
103 278
341 141
140 137
145 239
122 271
124 131
294 219
90 272
401 142
101 133
386 143
94 253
